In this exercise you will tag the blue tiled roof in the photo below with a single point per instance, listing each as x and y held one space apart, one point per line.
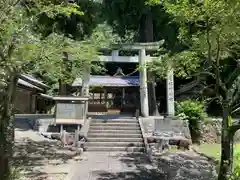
110 81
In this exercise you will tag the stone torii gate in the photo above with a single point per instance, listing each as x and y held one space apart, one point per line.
141 47
142 60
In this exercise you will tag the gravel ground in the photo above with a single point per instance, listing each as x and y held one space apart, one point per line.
39 158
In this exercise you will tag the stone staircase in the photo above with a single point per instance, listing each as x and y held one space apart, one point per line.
115 135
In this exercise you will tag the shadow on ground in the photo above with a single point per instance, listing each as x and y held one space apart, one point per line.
170 166
36 156
33 156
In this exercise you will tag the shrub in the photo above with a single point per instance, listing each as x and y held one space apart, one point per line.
236 168
15 174
194 112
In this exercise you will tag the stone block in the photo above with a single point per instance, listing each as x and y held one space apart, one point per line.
149 124
170 128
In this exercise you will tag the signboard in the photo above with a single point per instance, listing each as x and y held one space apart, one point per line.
170 93
70 111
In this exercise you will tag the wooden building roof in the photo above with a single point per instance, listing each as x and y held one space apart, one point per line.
110 81
28 81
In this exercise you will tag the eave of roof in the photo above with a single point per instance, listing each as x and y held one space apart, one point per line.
70 98
33 80
110 81
28 85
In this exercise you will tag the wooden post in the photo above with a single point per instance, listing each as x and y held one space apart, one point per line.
61 129
33 103
123 97
106 97
64 137
76 138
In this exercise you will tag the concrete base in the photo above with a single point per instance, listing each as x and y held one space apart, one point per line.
43 123
149 124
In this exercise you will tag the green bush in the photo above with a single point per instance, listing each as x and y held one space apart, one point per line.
15 174
236 168
194 112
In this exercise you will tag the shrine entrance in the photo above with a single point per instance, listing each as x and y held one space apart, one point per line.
116 95
142 59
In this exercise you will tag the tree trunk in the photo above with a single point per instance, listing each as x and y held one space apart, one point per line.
153 109
7 128
146 35
62 88
226 146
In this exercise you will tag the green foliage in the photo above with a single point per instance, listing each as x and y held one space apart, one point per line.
76 20
127 19
194 112
236 170
185 64
211 29
134 17
53 57
15 174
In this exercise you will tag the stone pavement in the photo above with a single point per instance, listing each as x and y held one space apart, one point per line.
114 166
136 166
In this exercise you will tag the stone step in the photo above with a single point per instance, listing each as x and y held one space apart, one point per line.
114 124
117 135
114 121
115 131
114 144
128 128
122 139
108 149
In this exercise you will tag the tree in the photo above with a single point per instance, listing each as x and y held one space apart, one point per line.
148 22
73 57
210 28
77 27
23 51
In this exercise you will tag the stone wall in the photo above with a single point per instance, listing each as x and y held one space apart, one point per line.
159 126
43 123
37 122
159 131
211 131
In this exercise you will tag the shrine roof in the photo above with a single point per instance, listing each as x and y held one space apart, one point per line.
31 82
110 81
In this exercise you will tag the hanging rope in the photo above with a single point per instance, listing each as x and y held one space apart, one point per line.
119 71
132 72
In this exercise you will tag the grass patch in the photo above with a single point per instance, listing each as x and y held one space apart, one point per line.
214 150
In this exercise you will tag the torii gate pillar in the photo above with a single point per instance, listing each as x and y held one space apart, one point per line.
143 83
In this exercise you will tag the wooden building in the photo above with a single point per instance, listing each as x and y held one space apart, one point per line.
30 96
112 94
